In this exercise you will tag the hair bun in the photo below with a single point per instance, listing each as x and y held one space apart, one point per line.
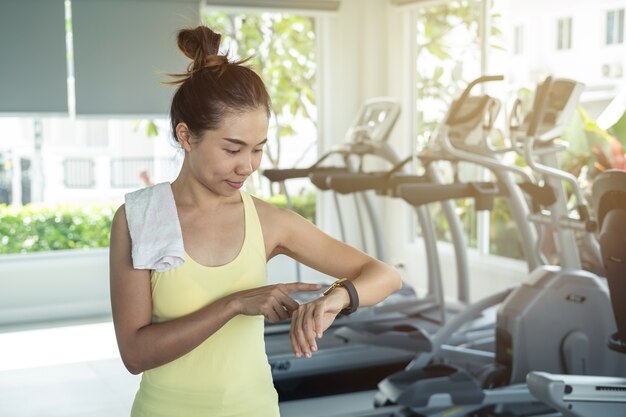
201 45
217 62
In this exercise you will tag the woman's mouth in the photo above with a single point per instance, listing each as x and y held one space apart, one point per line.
236 185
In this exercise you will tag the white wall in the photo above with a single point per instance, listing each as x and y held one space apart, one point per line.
53 286
352 69
74 285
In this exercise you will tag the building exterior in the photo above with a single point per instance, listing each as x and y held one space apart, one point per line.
60 160
578 39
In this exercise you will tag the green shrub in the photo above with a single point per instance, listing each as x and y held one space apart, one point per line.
37 228
304 204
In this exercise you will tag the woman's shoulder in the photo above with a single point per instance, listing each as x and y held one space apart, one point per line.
265 209
144 193
119 217
273 215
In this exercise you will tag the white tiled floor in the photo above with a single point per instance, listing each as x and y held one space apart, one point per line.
73 371
64 371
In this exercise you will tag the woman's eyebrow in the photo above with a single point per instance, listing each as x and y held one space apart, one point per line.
241 142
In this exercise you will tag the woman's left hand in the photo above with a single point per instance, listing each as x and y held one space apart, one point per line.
310 320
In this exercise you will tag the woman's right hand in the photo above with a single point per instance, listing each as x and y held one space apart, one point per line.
271 301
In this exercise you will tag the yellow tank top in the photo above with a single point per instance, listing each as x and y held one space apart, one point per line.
228 374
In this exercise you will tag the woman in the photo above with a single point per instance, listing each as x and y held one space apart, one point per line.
196 330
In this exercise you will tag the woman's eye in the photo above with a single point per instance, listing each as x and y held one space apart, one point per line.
258 150
232 152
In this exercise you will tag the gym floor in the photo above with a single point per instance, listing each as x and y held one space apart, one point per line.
75 370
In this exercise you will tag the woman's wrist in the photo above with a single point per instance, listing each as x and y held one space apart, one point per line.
353 295
340 296
233 306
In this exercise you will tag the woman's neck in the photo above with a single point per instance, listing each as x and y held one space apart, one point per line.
188 191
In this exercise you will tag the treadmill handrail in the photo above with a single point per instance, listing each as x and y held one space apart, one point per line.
419 194
280 175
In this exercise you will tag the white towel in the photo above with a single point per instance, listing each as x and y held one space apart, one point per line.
157 240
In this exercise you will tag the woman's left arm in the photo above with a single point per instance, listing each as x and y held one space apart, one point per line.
372 279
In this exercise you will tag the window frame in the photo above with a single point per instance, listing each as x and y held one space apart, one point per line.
564 31
482 223
79 173
518 39
614 27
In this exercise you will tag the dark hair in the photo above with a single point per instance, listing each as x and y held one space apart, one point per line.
213 86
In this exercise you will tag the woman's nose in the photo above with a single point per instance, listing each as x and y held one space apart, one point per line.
245 164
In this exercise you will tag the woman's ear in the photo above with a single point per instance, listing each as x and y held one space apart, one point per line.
183 134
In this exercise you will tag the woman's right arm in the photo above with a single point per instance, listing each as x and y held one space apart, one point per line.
145 345
142 344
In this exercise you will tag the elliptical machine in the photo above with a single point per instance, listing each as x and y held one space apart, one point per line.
556 321
361 365
587 396
468 336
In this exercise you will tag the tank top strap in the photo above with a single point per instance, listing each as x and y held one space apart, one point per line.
254 232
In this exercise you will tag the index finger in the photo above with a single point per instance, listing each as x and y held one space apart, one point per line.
300 286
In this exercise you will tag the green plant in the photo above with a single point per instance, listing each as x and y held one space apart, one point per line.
447 40
592 149
35 228
304 204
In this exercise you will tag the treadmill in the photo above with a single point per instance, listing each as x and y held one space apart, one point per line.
402 324
347 364
430 386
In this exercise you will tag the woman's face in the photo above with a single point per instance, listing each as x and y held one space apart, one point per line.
223 158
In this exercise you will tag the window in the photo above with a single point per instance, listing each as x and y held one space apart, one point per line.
283 48
62 163
518 40
564 34
77 160
448 57
141 171
615 27
93 161
583 158
6 166
79 173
